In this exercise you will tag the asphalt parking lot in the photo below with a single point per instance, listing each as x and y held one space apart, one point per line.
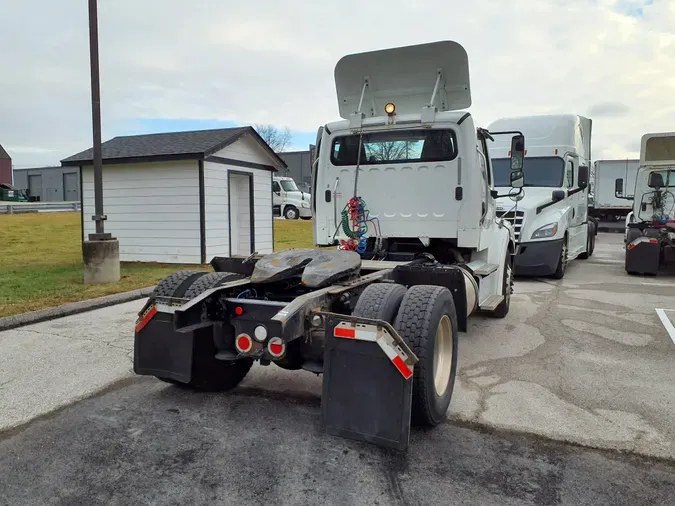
586 360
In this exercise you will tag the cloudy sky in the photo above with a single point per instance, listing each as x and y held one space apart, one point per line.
173 64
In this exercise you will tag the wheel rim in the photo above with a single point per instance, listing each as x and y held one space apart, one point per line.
443 355
290 214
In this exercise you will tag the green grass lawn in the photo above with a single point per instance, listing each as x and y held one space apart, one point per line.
41 261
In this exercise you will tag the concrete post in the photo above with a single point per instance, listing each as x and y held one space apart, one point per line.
101 261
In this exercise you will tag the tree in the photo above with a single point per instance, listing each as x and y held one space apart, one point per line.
277 139
388 151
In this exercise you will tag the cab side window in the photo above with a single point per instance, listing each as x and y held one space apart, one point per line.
569 175
275 187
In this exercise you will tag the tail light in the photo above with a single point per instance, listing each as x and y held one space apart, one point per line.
243 343
276 347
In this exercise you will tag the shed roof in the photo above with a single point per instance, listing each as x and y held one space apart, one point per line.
194 144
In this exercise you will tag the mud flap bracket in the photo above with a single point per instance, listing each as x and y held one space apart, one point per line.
367 383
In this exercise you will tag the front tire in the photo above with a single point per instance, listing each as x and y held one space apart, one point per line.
291 213
562 261
427 321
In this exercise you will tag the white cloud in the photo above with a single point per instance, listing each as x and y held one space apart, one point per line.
272 62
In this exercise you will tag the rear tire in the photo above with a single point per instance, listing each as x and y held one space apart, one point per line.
380 301
507 289
208 373
176 284
427 321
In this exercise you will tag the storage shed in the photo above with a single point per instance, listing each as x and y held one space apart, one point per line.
183 197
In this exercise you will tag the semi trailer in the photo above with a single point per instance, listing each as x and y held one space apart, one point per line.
408 248
606 207
650 227
550 213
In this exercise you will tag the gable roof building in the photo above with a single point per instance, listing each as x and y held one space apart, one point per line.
183 197
189 145
5 166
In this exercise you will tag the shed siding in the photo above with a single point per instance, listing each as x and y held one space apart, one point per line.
152 208
247 149
215 182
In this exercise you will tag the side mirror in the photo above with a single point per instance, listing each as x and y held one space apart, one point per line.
655 180
583 177
618 187
517 156
558 195
517 179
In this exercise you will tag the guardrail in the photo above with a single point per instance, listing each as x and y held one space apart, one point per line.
7 207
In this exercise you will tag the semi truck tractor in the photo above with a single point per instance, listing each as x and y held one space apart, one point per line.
550 213
650 228
408 248
288 200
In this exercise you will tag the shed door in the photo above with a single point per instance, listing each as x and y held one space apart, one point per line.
241 213
35 186
70 193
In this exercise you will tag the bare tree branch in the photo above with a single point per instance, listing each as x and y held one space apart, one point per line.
382 151
277 139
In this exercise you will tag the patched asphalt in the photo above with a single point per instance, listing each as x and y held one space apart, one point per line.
152 443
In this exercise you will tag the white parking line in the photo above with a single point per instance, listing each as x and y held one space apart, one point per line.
666 322
659 284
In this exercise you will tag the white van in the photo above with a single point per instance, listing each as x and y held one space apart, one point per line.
288 200
550 215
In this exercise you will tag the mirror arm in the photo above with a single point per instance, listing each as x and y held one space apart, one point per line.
544 206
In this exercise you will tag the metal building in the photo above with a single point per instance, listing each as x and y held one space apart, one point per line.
299 167
50 184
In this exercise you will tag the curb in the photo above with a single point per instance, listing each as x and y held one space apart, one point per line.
20 320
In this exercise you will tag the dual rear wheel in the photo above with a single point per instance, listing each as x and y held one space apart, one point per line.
425 317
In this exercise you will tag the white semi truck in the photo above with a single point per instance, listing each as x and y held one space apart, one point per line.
650 227
550 214
404 210
288 200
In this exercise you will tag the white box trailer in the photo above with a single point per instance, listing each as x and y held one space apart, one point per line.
606 205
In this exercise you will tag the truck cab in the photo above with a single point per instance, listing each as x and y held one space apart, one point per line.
288 200
407 165
550 215
650 226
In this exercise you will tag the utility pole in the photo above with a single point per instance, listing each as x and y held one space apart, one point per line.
101 253
98 217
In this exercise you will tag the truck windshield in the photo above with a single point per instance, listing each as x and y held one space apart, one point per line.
289 185
401 146
541 171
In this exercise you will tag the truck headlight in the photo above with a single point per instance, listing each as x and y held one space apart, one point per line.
546 231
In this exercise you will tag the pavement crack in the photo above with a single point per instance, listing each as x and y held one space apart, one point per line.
73 338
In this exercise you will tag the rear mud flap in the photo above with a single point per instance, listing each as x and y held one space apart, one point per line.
367 384
161 351
643 256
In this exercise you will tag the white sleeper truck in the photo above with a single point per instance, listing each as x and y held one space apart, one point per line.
650 230
550 214
409 248
288 200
